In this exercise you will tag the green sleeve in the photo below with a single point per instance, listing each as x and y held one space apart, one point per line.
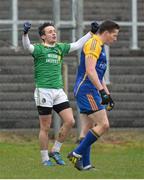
65 47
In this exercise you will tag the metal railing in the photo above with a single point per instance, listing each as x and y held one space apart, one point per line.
76 14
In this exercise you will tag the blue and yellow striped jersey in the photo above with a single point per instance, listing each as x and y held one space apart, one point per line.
95 47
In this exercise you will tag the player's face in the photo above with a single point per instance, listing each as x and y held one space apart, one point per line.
50 36
112 36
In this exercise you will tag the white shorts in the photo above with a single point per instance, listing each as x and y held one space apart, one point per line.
49 97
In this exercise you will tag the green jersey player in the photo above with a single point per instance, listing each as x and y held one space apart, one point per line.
49 93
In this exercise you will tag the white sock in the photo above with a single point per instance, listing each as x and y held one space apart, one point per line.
56 147
44 155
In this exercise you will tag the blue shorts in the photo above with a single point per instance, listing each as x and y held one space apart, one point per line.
89 101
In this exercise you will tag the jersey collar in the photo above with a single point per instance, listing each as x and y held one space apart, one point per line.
48 45
98 39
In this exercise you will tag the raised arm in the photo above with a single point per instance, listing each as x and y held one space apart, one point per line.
25 39
79 44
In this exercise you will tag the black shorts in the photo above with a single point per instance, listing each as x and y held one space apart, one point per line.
58 108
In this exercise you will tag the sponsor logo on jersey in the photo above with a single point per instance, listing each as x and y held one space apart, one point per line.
53 58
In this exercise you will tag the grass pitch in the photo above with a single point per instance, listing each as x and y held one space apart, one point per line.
119 154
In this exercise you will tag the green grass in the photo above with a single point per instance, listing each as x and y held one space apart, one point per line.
117 155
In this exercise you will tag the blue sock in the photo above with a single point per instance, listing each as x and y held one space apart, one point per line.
86 157
90 138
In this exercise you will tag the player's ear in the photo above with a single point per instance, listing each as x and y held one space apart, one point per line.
106 32
43 37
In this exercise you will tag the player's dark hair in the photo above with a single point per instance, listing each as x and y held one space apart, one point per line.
109 26
41 28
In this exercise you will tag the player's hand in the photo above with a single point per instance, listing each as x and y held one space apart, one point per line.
105 97
110 105
94 27
26 27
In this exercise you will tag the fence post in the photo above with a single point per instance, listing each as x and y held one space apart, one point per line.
80 27
107 73
56 17
14 23
134 26
73 10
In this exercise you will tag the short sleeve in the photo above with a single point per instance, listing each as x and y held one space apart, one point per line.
93 47
65 47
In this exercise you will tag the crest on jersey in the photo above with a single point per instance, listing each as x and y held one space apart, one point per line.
43 100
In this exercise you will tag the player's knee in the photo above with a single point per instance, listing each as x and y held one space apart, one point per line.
45 128
106 126
71 122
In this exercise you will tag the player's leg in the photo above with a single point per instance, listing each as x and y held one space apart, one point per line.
44 106
92 136
62 107
68 121
86 124
90 104
45 122
101 119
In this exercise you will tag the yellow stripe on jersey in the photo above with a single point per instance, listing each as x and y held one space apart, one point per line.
93 46
92 102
